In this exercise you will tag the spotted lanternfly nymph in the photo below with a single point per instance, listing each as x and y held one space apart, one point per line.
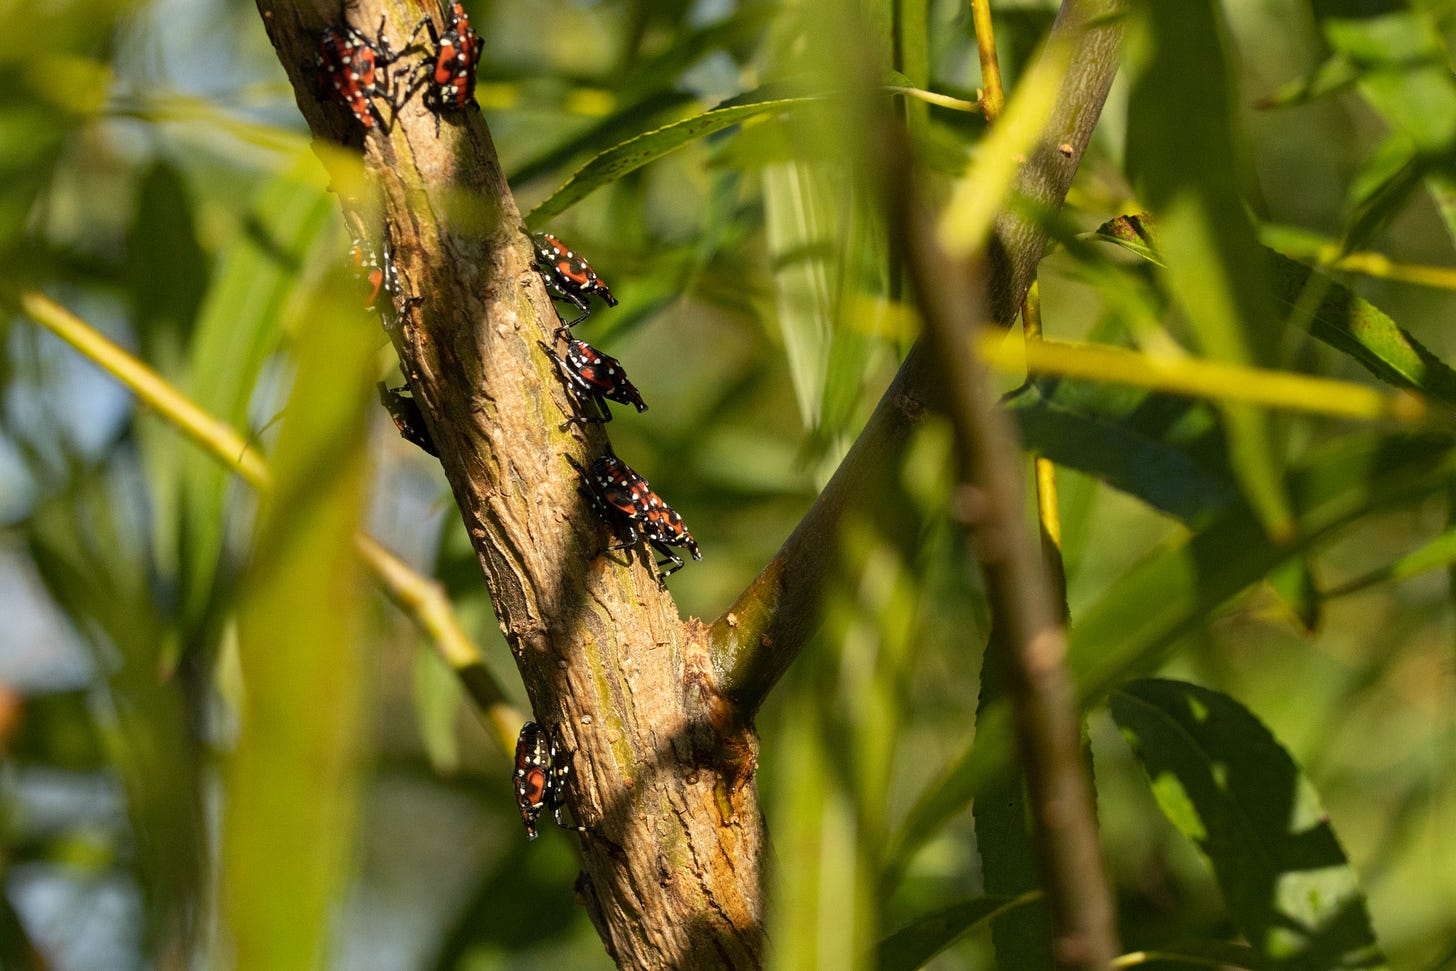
542 768
449 76
367 267
352 69
568 275
624 500
593 377
382 276
407 417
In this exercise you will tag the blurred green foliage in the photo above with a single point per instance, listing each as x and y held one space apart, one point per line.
155 178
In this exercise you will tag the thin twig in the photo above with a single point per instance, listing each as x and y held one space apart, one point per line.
993 95
939 100
1022 578
1210 380
757 638
1020 592
1048 512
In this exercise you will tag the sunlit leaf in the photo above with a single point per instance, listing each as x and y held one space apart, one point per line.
1213 269
290 785
1162 449
1333 312
238 327
1170 593
634 153
1223 779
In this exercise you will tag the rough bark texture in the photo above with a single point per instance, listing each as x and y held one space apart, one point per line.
663 778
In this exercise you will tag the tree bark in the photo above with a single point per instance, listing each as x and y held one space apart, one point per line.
663 777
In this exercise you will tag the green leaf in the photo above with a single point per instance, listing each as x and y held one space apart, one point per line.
90 547
1403 71
1404 68
1170 593
290 786
1162 449
1333 313
1022 938
1173 589
1379 191
913 945
1362 330
237 329
1213 270
1442 184
636 152
167 268
1329 77
438 700
803 217
1223 779
1187 174
1439 552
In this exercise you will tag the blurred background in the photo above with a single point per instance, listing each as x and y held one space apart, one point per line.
157 180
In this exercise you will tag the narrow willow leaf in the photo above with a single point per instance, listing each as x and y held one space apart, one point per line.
1187 173
1443 190
602 134
1403 71
1223 779
1363 331
1164 450
1339 318
1329 77
636 152
803 222
290 786
90 547
1387 179
236 330
1002 814
167 277
438 700
913 945
965 225
1130 629
1438 553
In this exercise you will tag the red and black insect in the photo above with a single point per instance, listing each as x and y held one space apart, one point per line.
593 377
352 69
382 277
542 768
624 500
570 276
407 417
449 76
367 267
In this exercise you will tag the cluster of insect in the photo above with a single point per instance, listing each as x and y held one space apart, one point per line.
375 81
617 494
360 72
